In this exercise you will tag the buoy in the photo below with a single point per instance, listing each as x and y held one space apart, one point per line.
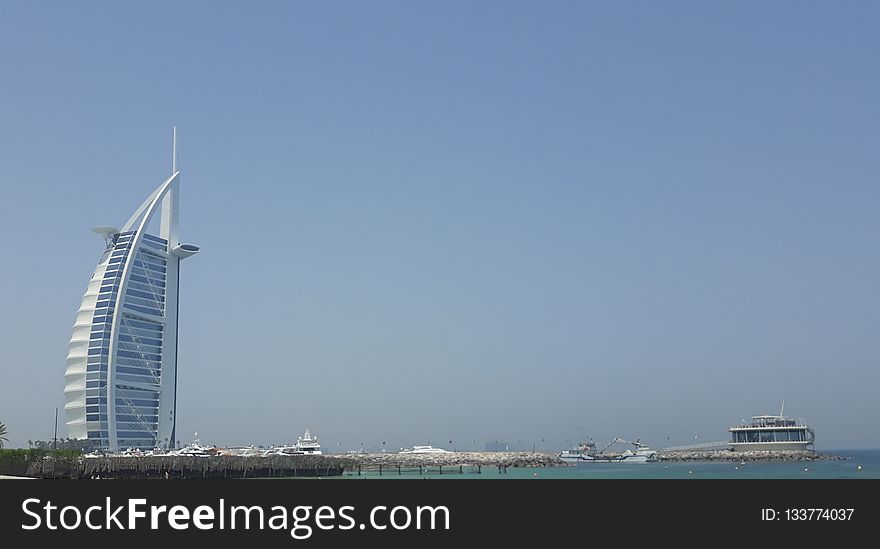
859 467
737 468
690 472
534 474
805 469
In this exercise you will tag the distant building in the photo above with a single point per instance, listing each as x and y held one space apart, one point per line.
497 446
121 378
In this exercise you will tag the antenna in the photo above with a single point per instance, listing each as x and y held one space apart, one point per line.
783 409
174 151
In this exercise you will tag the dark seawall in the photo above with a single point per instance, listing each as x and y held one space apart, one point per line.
185 467
234 467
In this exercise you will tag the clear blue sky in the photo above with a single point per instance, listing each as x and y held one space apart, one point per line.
467 221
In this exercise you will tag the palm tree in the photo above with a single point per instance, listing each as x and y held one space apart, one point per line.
3 434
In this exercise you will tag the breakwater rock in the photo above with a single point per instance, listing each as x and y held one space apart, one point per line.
452 459
752 455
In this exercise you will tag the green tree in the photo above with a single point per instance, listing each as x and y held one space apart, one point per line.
3 434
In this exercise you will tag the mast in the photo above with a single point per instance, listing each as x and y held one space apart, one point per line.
170 228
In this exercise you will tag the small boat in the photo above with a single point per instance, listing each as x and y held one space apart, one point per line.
426 449
196 450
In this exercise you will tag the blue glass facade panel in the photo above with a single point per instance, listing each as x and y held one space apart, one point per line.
139 342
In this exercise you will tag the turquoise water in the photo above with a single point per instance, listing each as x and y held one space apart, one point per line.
868 459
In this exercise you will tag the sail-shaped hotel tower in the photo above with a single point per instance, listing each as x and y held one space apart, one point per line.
121 379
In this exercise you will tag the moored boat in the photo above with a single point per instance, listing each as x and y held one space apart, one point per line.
586 453
305 444
424 449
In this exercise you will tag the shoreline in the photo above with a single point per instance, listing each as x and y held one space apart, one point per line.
452 459
747 456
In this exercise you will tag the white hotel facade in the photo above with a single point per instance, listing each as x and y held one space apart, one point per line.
121 378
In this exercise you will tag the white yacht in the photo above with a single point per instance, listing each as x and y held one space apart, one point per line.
307 444
426 449
586 453
194 449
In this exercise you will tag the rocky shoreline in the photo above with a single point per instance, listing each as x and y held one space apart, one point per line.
545 459
752 455
452 459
